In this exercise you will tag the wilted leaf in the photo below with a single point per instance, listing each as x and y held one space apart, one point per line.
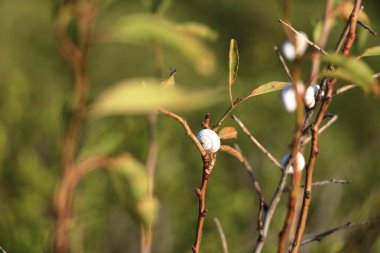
233 62
232 151
141 28
372 51
352 70
199 30
228 133
267 87
141 96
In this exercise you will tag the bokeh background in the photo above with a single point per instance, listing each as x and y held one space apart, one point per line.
36 85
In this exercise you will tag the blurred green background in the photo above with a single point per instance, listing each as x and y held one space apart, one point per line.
36 85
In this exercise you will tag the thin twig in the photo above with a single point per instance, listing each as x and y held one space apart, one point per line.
262 204
263 232
247 166
2 250
316 58
257 143
319 237
322 183
318 48
369 29
315 130
186 127
321 130
344 89
283 63
222 235
226 114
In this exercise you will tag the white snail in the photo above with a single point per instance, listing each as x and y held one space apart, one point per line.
310 94
209 139
288 97
290 51
300 162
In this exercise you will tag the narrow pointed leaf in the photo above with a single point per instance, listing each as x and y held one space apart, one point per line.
352 70
233 61
228 133
144 28
168 83
372 51
131 180
267 87
199 30
141 96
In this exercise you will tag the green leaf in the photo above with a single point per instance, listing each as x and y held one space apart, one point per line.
317 31
352 70
372 51
144 28
267 87
199 30
141 96
157 6
131 180
233 62
133 173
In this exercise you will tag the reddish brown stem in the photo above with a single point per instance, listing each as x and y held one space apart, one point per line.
64 195
208 164
315 129
293 196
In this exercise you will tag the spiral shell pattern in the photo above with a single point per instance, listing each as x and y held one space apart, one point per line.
209 139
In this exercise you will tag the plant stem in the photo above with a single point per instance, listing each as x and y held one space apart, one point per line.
222 235
350 30
208 164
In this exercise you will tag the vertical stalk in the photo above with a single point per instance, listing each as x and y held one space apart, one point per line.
75 54
208 164
147 232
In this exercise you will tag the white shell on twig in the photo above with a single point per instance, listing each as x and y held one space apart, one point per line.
288 98
290 51
300 162
310 94
209 139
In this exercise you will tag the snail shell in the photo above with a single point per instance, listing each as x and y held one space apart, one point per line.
288 97
209 139
300 162
310 94
290 51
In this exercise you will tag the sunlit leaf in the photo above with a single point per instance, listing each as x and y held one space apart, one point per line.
141 96
232 151
142 28
168 83
198 29
352 70
317 31
233 61
267 87
372 51
147 209
228 133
